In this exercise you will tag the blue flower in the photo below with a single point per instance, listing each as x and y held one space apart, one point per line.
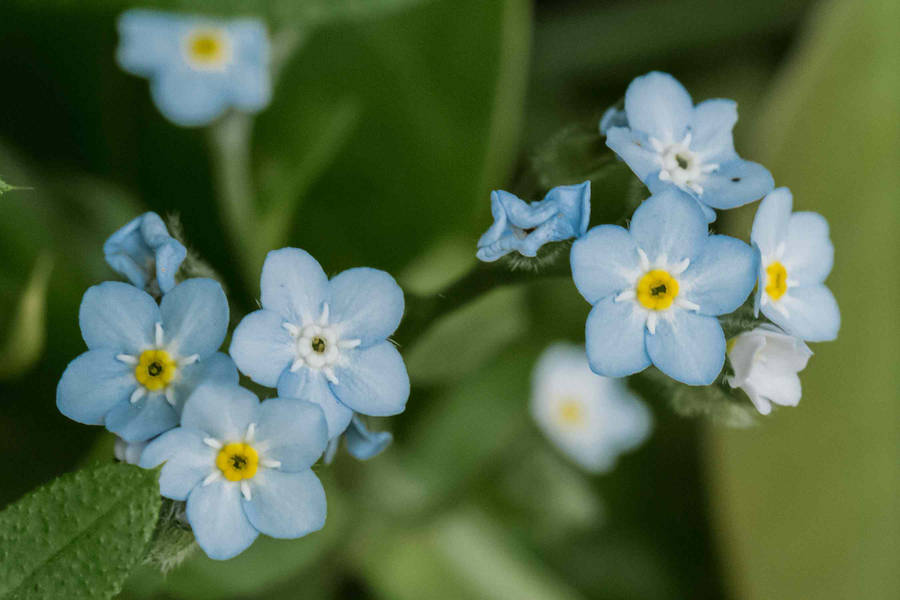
364 444
670 142
591 419
325 341
144 359
524 227
197 66
243 467
796 256
145 253
656 289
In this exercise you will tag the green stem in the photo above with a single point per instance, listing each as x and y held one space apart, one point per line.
423 311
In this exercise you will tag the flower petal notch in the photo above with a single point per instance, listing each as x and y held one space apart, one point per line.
143 360
669 142
243 467
145 253
591 419
325 340
524 227
198 67
766 361
796 256
657 288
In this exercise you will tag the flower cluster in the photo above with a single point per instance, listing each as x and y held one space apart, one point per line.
153 375
660 288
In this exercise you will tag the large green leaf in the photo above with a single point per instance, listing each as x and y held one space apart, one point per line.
79 536
808 500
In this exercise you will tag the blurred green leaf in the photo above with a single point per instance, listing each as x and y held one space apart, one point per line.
24 342
808 502
79 536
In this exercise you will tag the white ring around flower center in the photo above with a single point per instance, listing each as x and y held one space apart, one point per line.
319 345
681 165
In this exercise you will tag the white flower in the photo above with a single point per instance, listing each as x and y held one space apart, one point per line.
592 419
766 362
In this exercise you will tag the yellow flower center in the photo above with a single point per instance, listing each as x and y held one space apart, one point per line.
155 369
776 280
238 461
207 48
571 411
657 290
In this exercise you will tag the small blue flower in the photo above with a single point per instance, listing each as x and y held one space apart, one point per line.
144 359
613 117
243 467
364 444
796 256
325 341
670 142
656 289
524 227
592 419
145 253
197 66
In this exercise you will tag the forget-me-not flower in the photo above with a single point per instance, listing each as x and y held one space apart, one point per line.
243 467
197 66
766 362
669 142
325 341
524 227
144 359
145 253
656 289
592 419
796 257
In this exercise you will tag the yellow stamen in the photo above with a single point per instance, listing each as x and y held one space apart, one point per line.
776 280
238 461
657 290
571 411
155 369
207 48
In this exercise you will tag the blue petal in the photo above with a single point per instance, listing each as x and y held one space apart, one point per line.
218 520
293 431
613 117
711 127
366 304
813 313
364 444
142 420
373 381
221 411
294 285
770 225
218 368
311 385
143 250
262 348
614 338
603 262
189 98
722 276
736 183
195 317
92 385
250 82
658 105
286 505
635 150
187 460
147 41
669 224
688 347
118 316
809 253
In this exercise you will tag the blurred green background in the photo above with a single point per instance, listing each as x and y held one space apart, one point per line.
390 124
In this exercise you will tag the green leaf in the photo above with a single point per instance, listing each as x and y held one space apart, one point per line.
79 536
807 503
5 187
24 342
